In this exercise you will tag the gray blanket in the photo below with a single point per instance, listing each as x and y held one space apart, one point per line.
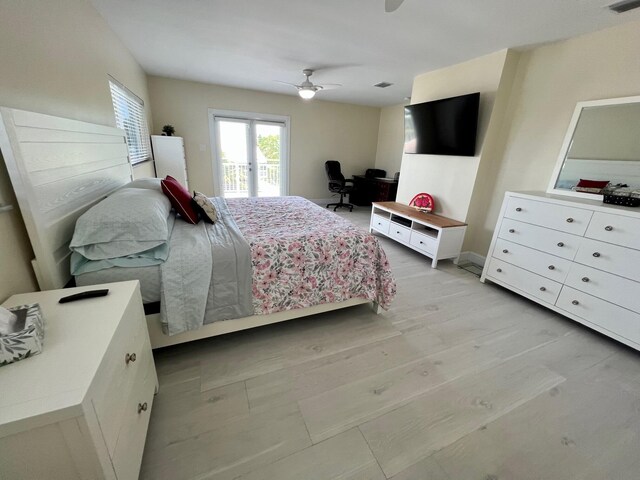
208 274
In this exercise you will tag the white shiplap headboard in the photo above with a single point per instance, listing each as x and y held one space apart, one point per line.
59 168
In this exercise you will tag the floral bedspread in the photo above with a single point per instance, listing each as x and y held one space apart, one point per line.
304 255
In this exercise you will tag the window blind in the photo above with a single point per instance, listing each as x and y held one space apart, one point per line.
129 110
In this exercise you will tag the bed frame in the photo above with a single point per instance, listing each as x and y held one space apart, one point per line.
59 168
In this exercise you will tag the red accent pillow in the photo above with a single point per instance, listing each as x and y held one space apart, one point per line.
180 199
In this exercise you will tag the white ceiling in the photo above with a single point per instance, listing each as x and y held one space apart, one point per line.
253 43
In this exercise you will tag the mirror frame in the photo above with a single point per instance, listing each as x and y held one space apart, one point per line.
566 144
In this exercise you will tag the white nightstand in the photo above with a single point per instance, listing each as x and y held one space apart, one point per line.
81 408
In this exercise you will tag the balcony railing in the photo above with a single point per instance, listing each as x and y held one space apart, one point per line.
236 182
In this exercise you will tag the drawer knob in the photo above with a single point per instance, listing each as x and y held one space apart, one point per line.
505 251
596 254
498 270
575 302
421 242
552 267
518 209
129 357
608 228
397 232
511 230
142 407
585 279
543 289
561 244
569 220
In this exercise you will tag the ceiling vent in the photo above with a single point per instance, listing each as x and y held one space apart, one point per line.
624 6
387 84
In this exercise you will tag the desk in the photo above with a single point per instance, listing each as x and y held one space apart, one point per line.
368 190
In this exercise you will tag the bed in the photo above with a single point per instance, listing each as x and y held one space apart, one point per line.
60 168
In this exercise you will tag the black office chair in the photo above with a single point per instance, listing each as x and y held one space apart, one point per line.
338 184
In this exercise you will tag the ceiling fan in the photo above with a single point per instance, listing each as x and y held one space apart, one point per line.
392 5
308 89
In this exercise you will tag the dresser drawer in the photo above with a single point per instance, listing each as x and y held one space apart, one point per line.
115 379
539 287
399 232
615 319
380 223
606 286
548 266
133 431
551 241
424 242
558 217
616 229
610 258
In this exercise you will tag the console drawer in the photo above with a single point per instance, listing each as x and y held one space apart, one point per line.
380 223
606 286
551 241
616 229
424 242
558 217
115 379
539 287
399 232
615 319
610 258
548 266
127 455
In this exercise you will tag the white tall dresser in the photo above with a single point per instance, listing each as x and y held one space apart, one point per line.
169 157
80 409
580 258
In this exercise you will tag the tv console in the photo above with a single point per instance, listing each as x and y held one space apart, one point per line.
432 235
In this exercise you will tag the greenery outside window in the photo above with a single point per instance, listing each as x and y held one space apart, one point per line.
130 116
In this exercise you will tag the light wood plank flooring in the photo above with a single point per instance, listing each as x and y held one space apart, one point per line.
458 380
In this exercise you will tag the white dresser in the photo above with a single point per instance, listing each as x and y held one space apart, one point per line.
580 258
169 157
80 409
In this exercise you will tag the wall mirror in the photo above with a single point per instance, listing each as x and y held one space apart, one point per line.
602 144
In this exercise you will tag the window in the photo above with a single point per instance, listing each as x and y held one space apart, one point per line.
129 110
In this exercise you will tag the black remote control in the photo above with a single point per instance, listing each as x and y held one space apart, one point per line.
83 295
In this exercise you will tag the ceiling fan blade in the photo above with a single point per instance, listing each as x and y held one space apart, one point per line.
287 83
392 5
329 86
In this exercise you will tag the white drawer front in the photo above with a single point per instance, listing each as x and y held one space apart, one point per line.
611 288
542 288
610 258
615 229
604 314
424 242
551 241
380 223
548 266
127 456
399 232
559 217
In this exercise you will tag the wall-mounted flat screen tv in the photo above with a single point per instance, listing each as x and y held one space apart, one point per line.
442 127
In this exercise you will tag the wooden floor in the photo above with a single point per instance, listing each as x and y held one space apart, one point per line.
458 380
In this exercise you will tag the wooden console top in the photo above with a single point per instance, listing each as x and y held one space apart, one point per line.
412 213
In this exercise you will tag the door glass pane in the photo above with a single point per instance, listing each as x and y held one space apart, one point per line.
233 157
268 157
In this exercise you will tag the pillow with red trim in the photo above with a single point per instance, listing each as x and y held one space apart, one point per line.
180 199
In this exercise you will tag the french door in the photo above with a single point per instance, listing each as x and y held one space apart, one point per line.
250 154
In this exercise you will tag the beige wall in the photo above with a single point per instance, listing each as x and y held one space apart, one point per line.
55 59
320 130
451 179
550 80
390 139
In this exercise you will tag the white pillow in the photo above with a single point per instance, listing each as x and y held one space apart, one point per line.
130 221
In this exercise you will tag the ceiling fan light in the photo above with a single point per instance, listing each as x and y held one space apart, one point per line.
306 93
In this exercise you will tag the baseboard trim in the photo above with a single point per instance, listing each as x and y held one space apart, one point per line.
472 257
